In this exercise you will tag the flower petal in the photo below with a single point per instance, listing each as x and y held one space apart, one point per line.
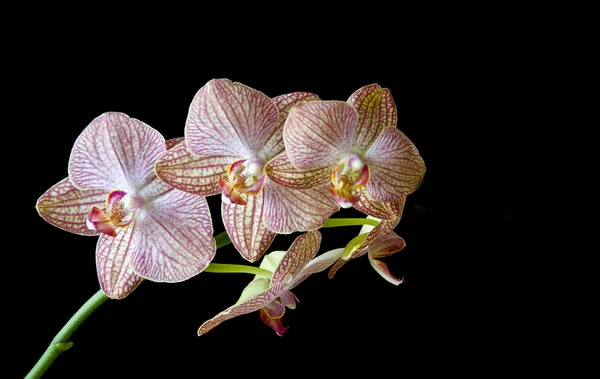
174 234
377 235
191 173
67 207
227 118
383 270
274 143
318 264
376 110
390 210
113 262
274 323
171 143
319 132
396 167
244 224
303 249
115 152
282 171
288 210
253 304
391 245
338 264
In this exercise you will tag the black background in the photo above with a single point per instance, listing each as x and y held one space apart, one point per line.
457 225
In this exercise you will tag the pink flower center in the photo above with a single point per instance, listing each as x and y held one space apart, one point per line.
244 178
349 176
119 213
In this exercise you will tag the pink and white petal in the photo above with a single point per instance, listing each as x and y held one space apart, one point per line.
67 208
390 210
274 142
191 173
253 304
115 152
379 233
396 167
154 189
288 210
318 264
113 263
283 172
392 244
171 143
275 309
288 299
319 132
227 118
383 270
174 234
303 249
246 229
376 110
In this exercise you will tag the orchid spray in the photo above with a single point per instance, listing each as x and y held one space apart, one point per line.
279 165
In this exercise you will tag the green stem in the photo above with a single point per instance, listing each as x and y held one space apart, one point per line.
333 222
222 239
61 342
240 269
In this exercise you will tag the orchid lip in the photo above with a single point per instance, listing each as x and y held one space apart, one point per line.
349 175
244 177
120 210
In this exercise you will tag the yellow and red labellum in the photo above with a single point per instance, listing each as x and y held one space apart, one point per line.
244 177
98 220
120 212
349 176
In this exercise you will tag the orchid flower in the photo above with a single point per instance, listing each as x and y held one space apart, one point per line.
353 145
147 228
231 132
272 296
377 242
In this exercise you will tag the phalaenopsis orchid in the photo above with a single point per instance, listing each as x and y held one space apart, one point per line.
278 165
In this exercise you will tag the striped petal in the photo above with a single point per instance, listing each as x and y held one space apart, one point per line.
318 264
115 152
174 234
319 132
383 270
378 234
376 110
274 144
381 210
171 143
250 305
337 265
283 172
67 207
303 249
185 171
154 189
395 164
227 118
113 263
245 226
392 244
288 210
